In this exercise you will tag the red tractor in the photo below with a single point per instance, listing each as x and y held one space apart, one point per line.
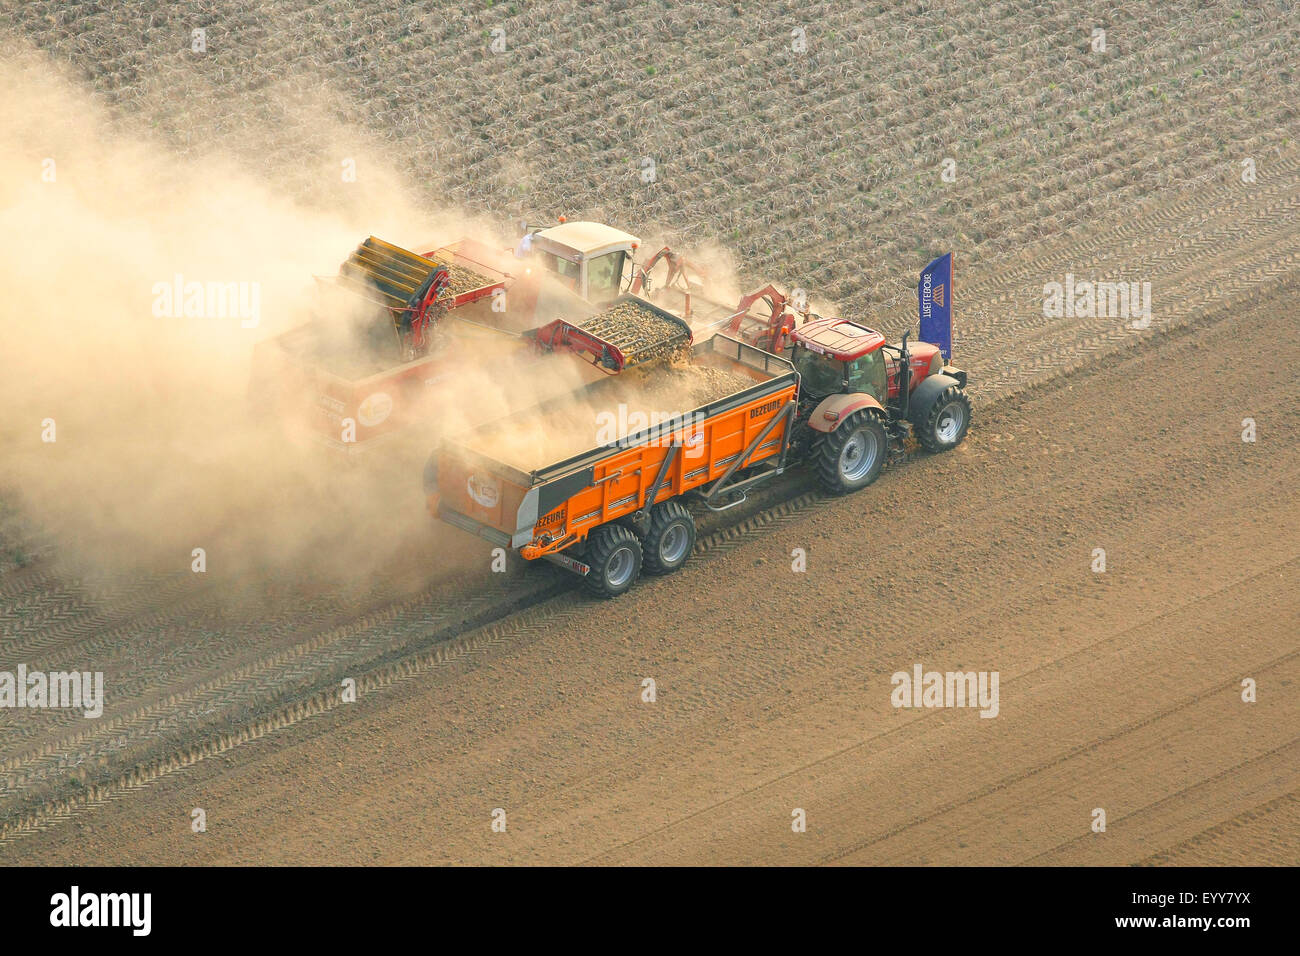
857 392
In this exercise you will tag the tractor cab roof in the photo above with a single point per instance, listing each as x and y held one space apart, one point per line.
838 338
588 239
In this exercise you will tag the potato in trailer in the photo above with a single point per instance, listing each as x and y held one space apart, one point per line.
618 503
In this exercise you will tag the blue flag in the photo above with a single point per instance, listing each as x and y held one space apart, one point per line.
934 297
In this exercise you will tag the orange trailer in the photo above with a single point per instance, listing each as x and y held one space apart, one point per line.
619 502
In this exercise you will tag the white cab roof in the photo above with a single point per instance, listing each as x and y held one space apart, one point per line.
588 238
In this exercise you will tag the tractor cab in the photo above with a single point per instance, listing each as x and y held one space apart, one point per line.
593 260
836 356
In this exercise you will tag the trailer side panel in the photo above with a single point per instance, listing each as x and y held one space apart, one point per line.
559 505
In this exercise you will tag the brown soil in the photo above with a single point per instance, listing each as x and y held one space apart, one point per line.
1119 690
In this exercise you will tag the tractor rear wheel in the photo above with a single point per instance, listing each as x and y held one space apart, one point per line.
670 539
614 554
943 425
852 455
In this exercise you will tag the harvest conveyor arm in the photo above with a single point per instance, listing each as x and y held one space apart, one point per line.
630 332
415 289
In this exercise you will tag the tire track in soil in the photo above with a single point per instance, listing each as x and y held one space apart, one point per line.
1056 760
1288 750
1278 816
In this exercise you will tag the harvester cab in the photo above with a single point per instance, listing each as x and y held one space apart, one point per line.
596 262
593 260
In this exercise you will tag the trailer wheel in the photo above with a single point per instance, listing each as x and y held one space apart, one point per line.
670 539
943 425
614 554
852 455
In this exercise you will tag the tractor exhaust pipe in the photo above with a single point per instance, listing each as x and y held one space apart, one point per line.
904 377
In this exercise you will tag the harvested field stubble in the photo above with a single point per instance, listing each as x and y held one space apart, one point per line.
820 168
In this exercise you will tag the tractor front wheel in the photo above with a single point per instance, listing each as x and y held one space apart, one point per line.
614 554
852 455
670 539
944 424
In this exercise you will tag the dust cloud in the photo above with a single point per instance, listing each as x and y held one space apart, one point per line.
155 449
131 436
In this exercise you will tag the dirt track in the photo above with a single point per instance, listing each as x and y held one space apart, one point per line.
1118 690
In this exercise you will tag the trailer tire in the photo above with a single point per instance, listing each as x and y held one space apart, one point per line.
614 554
943 425
670 539
851 456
